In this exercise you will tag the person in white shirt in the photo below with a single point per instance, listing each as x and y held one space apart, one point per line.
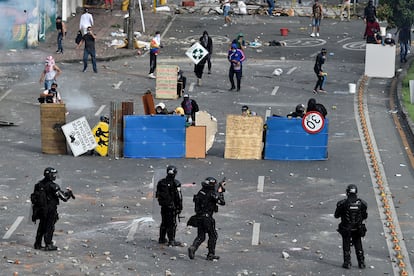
86 21
346 4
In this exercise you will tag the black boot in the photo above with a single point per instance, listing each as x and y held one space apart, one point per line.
38 246
347 260
50 247
163 233
361 259
191 252
212 257
174 243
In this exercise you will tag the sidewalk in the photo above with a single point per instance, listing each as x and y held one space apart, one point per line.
107 27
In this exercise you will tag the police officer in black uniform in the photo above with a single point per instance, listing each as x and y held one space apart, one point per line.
45 199
206 201
352 211
170 199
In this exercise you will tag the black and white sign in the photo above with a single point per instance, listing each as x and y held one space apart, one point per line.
79 136
196 52
313 122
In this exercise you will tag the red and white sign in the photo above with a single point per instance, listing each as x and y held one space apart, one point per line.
313 122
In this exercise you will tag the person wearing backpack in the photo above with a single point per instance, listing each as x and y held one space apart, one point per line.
45 199
205 202
170 199
352 211
317 15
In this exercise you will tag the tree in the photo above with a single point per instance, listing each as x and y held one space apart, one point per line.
398 13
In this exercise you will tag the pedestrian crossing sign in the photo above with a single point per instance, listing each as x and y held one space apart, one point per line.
196 52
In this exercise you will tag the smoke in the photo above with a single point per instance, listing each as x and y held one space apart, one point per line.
74 100
23 22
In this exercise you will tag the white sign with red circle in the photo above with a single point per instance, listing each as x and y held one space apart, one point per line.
313 122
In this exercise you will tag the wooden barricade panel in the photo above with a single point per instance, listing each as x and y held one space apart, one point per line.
116 135
148 103
166 82
244 137
195 142
52 118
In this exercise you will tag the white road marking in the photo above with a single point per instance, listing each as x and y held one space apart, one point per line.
260 184
291 70
274 91
116 86
13 227
342 40
191 87
256 232
134 226
5 94
100 110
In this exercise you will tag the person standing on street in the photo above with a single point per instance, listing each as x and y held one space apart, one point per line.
155 46
370 12
346 4
190 107
207 43
320 60
45 199
49 73
226 12
404 38
317 15
61 29
86 20
271 4
352 211
236 58
170 199
89 50
205 202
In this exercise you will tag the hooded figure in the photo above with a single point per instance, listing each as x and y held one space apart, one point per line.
314 106
207 43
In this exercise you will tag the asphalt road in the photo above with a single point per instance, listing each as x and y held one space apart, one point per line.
107 230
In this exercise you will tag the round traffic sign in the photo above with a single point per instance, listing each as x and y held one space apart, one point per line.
313 122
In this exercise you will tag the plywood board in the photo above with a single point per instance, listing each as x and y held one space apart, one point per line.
204 118
148 103
244 137
195 142
166 82
52 118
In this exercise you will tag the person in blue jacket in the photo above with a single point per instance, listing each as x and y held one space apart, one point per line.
236 58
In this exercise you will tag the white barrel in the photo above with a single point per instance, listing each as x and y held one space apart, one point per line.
352 88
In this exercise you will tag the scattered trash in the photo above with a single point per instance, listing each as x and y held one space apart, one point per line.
277 72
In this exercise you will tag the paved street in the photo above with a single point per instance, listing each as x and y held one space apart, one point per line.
107 230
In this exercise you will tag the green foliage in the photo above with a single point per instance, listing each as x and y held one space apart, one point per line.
406 93
397 12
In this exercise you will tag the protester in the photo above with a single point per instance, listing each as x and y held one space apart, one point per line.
155 46
89 40
61 29
50 73
317 15
86 20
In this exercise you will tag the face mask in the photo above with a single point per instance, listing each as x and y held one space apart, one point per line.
53 89
234 50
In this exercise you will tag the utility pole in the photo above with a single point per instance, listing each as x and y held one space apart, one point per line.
131 20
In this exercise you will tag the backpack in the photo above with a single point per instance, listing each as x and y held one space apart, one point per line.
317 10
78 37
39 201
163 193
321 109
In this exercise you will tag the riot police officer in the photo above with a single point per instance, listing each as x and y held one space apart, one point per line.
170 199
45 200
352 211
206 201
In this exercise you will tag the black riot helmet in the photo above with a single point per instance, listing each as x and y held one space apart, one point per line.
50 173
352 189
209 183
300 108
171 171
